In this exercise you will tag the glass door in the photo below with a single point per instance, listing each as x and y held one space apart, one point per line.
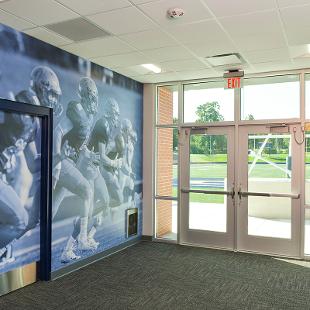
206 191
269 189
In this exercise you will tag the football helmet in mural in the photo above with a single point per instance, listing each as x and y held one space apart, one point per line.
88 93
44 82
112 112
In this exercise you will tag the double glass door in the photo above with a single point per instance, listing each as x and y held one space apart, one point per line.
240 188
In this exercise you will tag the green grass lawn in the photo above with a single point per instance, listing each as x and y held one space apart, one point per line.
201 158
206 198
203 166
220 171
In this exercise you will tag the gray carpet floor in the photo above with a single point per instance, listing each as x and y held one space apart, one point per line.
163 276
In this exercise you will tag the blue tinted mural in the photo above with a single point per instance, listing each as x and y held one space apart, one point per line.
20 176
97 147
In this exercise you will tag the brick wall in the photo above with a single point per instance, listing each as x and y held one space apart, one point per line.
164 161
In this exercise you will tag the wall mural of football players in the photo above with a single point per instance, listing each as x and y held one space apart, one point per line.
97 150
20 167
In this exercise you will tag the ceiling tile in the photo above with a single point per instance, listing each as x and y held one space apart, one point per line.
148 39
142 1
278 54
194 11
40 12
273 66
295 17
198 74
99 47
47 36
252 24
296 22
14 21
94 6
286 3
230 8
212 47
123 60
298 36
260 42
122 21
168 53
157 78
182 65
190 33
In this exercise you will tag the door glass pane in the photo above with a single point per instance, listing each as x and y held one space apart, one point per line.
270 98
208 102
269 170
208 171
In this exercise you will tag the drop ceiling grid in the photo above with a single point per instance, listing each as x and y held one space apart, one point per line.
282 10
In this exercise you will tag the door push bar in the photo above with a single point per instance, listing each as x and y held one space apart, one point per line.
200 191
246 194
240 193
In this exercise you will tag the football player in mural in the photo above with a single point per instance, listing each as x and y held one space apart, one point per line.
16 214
44 90
126 174
76 173
107 140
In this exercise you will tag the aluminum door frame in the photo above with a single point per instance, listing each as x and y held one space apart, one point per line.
269 245
223 240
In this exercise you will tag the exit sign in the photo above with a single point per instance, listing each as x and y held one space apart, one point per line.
233 82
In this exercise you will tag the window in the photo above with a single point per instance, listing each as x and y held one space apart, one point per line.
208 102
270 98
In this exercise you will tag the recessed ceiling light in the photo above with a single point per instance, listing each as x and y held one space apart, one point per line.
152 68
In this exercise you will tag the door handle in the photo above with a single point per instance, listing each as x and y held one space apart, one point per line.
264 194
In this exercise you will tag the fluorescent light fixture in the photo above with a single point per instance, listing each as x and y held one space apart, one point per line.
152 68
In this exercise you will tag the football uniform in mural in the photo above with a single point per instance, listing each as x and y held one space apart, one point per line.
107 140
44 89
78 172
17 210
127 176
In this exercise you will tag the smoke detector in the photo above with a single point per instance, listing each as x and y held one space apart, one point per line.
175 13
